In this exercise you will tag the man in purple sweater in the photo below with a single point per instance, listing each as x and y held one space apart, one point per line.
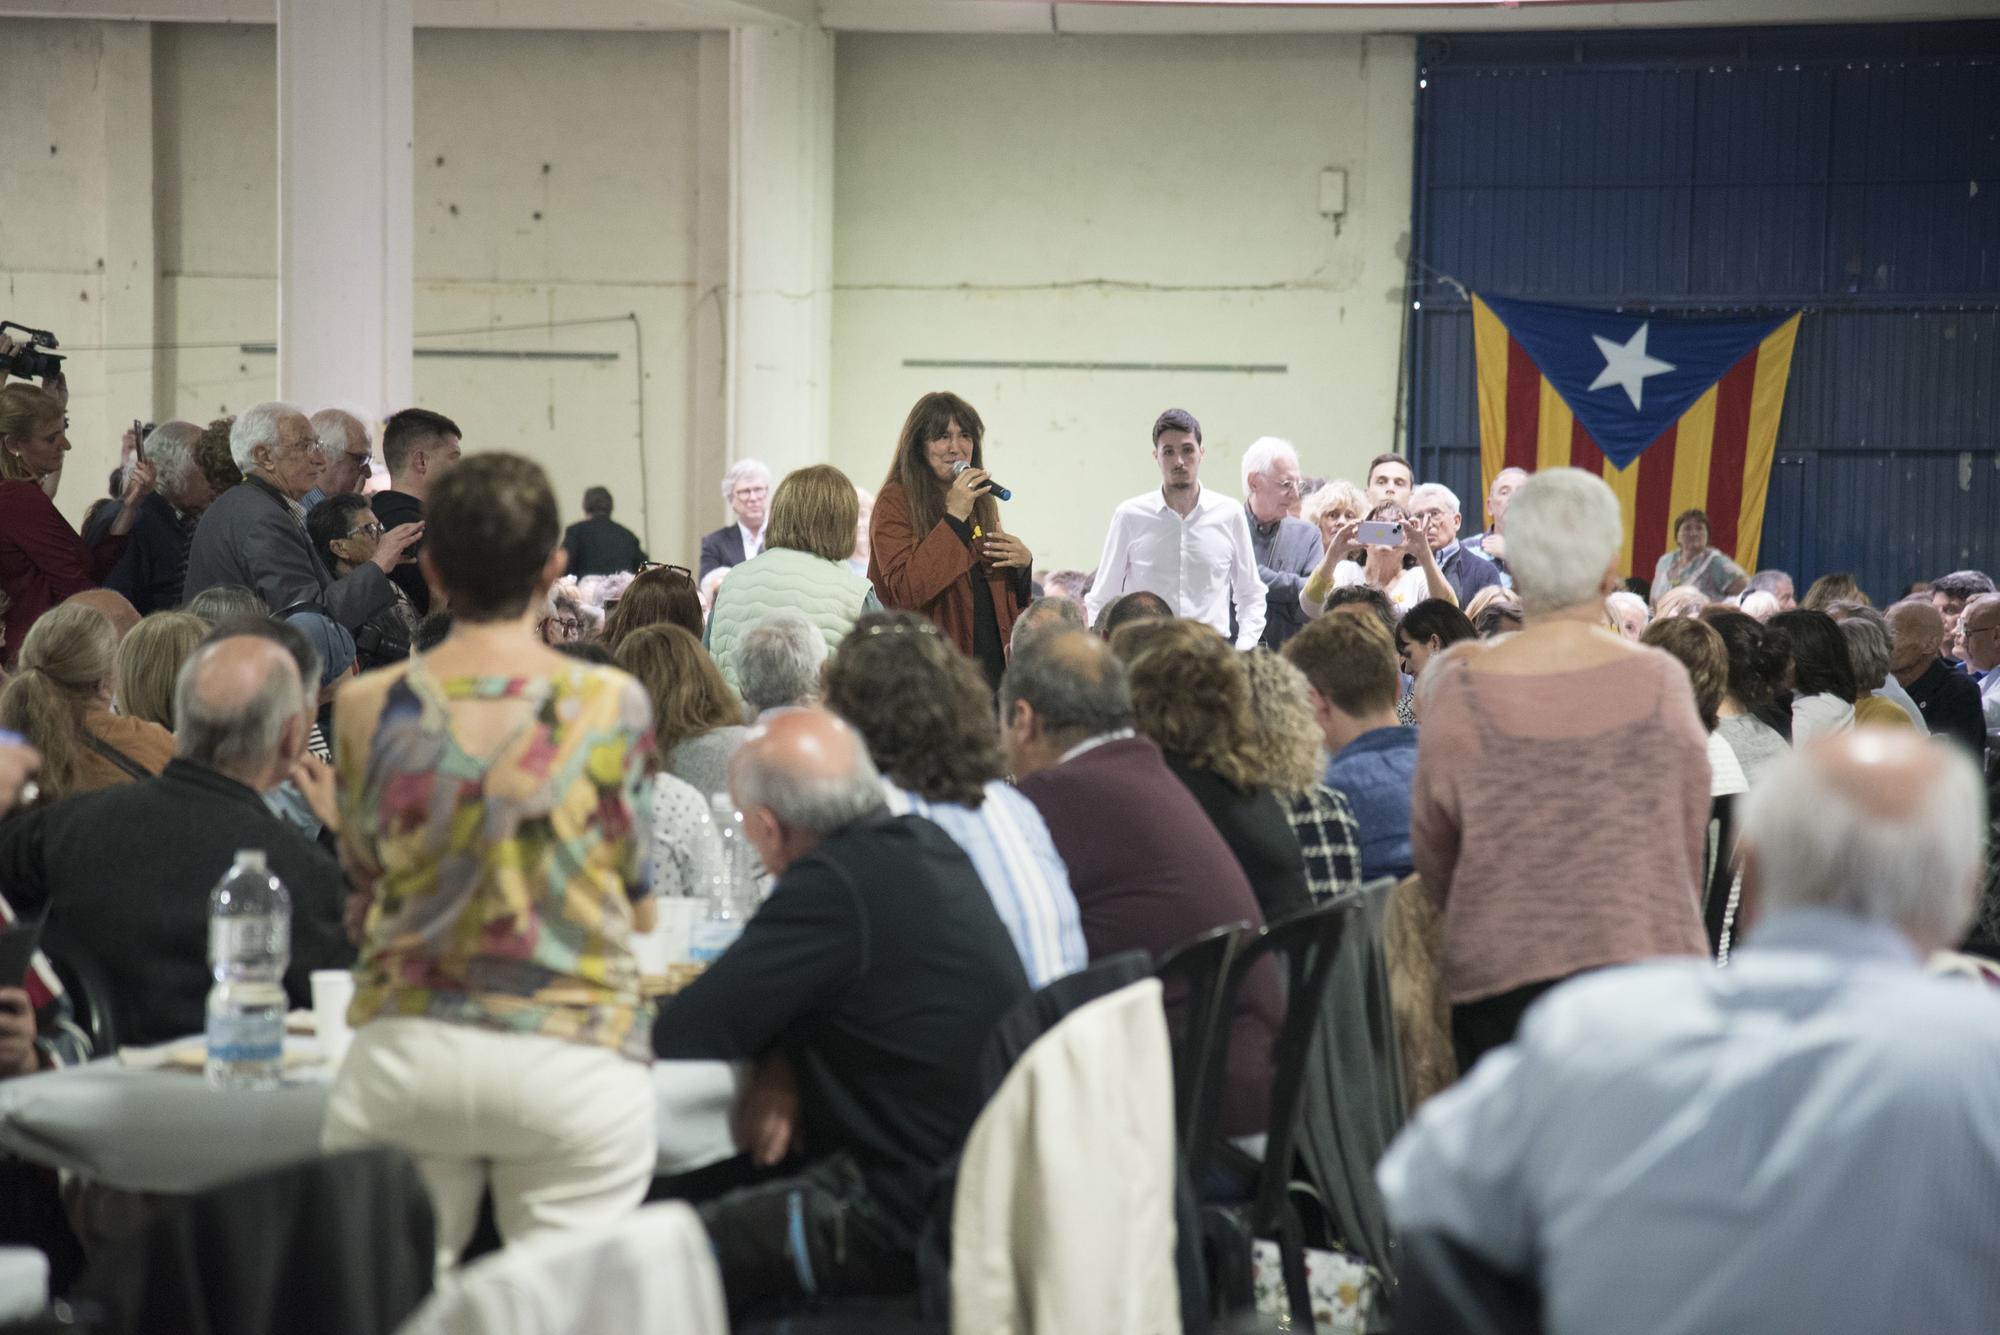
1148 868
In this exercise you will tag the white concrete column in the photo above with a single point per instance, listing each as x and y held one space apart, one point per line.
781 263
344 206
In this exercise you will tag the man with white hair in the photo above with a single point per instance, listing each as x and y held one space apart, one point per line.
153 567
1776 583
1492 544
778 661
1287 549
746 490
344 450
867 986
1434 507
1769 1138
255 533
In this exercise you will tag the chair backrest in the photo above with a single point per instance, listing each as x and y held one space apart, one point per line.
1309 943
1064 1218
654 1270
1199 968
341 1244
89 998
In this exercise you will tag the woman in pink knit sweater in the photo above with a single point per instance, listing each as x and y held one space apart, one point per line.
1561 796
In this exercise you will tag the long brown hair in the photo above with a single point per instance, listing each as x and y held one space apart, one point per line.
68 656
690 698
928 421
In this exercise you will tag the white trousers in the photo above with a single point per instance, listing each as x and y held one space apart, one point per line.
563 1133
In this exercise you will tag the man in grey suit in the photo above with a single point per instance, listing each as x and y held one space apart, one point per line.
1287 549
254 534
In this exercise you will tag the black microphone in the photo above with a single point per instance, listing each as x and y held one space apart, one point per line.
994 489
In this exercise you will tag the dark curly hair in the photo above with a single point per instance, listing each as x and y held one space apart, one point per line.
1758 657
923 707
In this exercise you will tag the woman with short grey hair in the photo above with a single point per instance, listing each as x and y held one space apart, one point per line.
1561 802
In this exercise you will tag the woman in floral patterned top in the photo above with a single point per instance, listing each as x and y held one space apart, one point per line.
492 799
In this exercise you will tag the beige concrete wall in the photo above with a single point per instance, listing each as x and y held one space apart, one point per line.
1130 200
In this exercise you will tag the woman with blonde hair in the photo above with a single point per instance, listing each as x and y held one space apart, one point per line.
936 546
1287 757
697 718
1191 695
803 567
149 661
1563 726
59 700
42 560
1328 507
1835 588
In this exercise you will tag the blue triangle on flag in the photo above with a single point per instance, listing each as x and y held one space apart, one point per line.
1628 377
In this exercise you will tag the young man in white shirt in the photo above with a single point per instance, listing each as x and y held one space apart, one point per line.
1189 545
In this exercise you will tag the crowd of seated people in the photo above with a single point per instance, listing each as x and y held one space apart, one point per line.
479 748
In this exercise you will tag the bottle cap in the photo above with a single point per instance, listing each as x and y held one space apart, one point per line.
251 859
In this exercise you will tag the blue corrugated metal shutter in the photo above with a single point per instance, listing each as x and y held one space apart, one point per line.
1854 172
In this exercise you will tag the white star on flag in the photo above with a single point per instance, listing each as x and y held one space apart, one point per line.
1627 365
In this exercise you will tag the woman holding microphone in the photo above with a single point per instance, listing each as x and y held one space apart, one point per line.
936 544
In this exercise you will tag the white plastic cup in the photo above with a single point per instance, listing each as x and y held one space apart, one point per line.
332 992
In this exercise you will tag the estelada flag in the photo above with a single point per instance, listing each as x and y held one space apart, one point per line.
1677 413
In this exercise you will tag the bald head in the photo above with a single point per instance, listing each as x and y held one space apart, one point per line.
240 706
800 777
1916 631
115 607
1878 823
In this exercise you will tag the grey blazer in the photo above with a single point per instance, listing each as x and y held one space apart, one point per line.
248 537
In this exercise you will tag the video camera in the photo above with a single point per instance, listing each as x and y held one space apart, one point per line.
32 362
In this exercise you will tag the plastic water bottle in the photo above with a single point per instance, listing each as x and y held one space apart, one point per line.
722 922
249 945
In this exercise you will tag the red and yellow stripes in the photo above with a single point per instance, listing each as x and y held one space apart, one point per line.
1717 457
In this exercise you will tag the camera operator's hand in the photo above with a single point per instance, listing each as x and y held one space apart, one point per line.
389 551
8 347
138 482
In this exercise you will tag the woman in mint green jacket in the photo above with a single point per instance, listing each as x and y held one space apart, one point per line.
803 567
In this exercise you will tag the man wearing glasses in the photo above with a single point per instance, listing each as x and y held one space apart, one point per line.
343 447
1435 508
1287 549
746 488
1979 631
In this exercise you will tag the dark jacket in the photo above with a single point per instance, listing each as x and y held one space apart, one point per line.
1254 825
879 966
724 547
399 507
601 546
136 904
154 567
1949 701
248 537
1468 572
1286 552
1151 873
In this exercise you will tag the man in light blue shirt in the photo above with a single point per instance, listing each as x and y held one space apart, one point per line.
1807 1139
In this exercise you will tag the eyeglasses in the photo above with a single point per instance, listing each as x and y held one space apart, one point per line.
1970 631
360 462
1429 517
648 567
751 493
374 530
